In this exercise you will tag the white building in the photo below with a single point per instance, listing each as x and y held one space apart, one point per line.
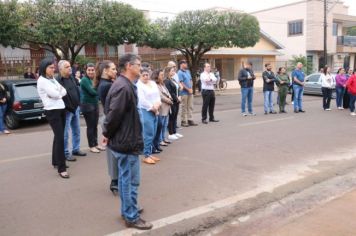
299 27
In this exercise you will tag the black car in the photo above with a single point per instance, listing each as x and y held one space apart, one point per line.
23 102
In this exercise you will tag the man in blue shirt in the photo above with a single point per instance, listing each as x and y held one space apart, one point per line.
298 87
185 80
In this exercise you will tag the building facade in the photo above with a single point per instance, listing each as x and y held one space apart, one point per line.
300 28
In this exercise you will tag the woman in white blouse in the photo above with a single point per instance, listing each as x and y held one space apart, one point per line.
149 102
51 93
327 86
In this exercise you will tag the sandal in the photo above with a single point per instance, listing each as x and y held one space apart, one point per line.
148 160
163 144
64 175
155 158
100 148
166 141
94 150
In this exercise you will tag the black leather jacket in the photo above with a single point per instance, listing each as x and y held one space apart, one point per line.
244 82
122 125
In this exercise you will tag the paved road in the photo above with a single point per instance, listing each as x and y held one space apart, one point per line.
211 163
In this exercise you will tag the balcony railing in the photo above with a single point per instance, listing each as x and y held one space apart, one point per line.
346 41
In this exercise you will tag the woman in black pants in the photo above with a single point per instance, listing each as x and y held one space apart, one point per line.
173 88
51 93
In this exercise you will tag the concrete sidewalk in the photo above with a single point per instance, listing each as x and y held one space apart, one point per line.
335 218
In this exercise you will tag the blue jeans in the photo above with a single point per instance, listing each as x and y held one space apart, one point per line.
149 125
340 91
129 179
268 101
298 97
247 93
164 123
2 116
73 123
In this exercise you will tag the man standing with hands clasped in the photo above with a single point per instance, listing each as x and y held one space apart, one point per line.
268 87
298 87
246 78
208 80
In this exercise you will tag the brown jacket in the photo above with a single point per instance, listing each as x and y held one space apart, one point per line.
166 100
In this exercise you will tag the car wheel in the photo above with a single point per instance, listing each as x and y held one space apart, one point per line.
11 122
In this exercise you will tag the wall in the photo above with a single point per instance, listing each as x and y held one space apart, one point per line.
274 22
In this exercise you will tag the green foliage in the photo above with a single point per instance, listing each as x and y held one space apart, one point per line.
64 27
10 23
351 31
307 67
82 60
193 33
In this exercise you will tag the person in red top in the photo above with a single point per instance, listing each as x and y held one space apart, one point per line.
351 88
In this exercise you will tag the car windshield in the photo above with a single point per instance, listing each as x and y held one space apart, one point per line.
26 91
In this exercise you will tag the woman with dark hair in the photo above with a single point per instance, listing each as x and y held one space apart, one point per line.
51 94
149 102
166 102
327 85
283 81
340 87
89 108
105 75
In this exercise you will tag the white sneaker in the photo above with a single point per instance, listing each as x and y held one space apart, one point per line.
179 135
327 109
353 114
340 108
172 137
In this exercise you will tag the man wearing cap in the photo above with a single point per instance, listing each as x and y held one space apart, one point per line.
185 80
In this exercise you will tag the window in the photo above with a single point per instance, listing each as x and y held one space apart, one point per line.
314 78
257 63
295 28
27 91
335 29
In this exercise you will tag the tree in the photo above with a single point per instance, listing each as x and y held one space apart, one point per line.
351 31
193 33
10 23
307 67
64 27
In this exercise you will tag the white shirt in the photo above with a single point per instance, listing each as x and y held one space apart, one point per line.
176 78
51 93
148 95
327 81
207 80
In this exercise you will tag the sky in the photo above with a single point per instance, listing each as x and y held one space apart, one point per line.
168 8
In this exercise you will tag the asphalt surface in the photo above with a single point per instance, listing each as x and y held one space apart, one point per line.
211 163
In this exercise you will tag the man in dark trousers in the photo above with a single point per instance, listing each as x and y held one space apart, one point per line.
268 87
122 130
71 101
208 80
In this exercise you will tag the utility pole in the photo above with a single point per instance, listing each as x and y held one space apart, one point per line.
325 33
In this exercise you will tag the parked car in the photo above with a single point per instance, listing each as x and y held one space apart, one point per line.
313 85
23 102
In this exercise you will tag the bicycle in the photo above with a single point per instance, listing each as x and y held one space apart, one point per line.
222 84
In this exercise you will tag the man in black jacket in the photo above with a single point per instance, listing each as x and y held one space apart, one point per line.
71 101
268 87
246 78
123 134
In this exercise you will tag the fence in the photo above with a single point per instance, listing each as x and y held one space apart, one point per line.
15 67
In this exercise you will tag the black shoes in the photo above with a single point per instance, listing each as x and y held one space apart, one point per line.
302 111
139 224
204 122
213 120
79 153
297 111
272 112
114 187
191 123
